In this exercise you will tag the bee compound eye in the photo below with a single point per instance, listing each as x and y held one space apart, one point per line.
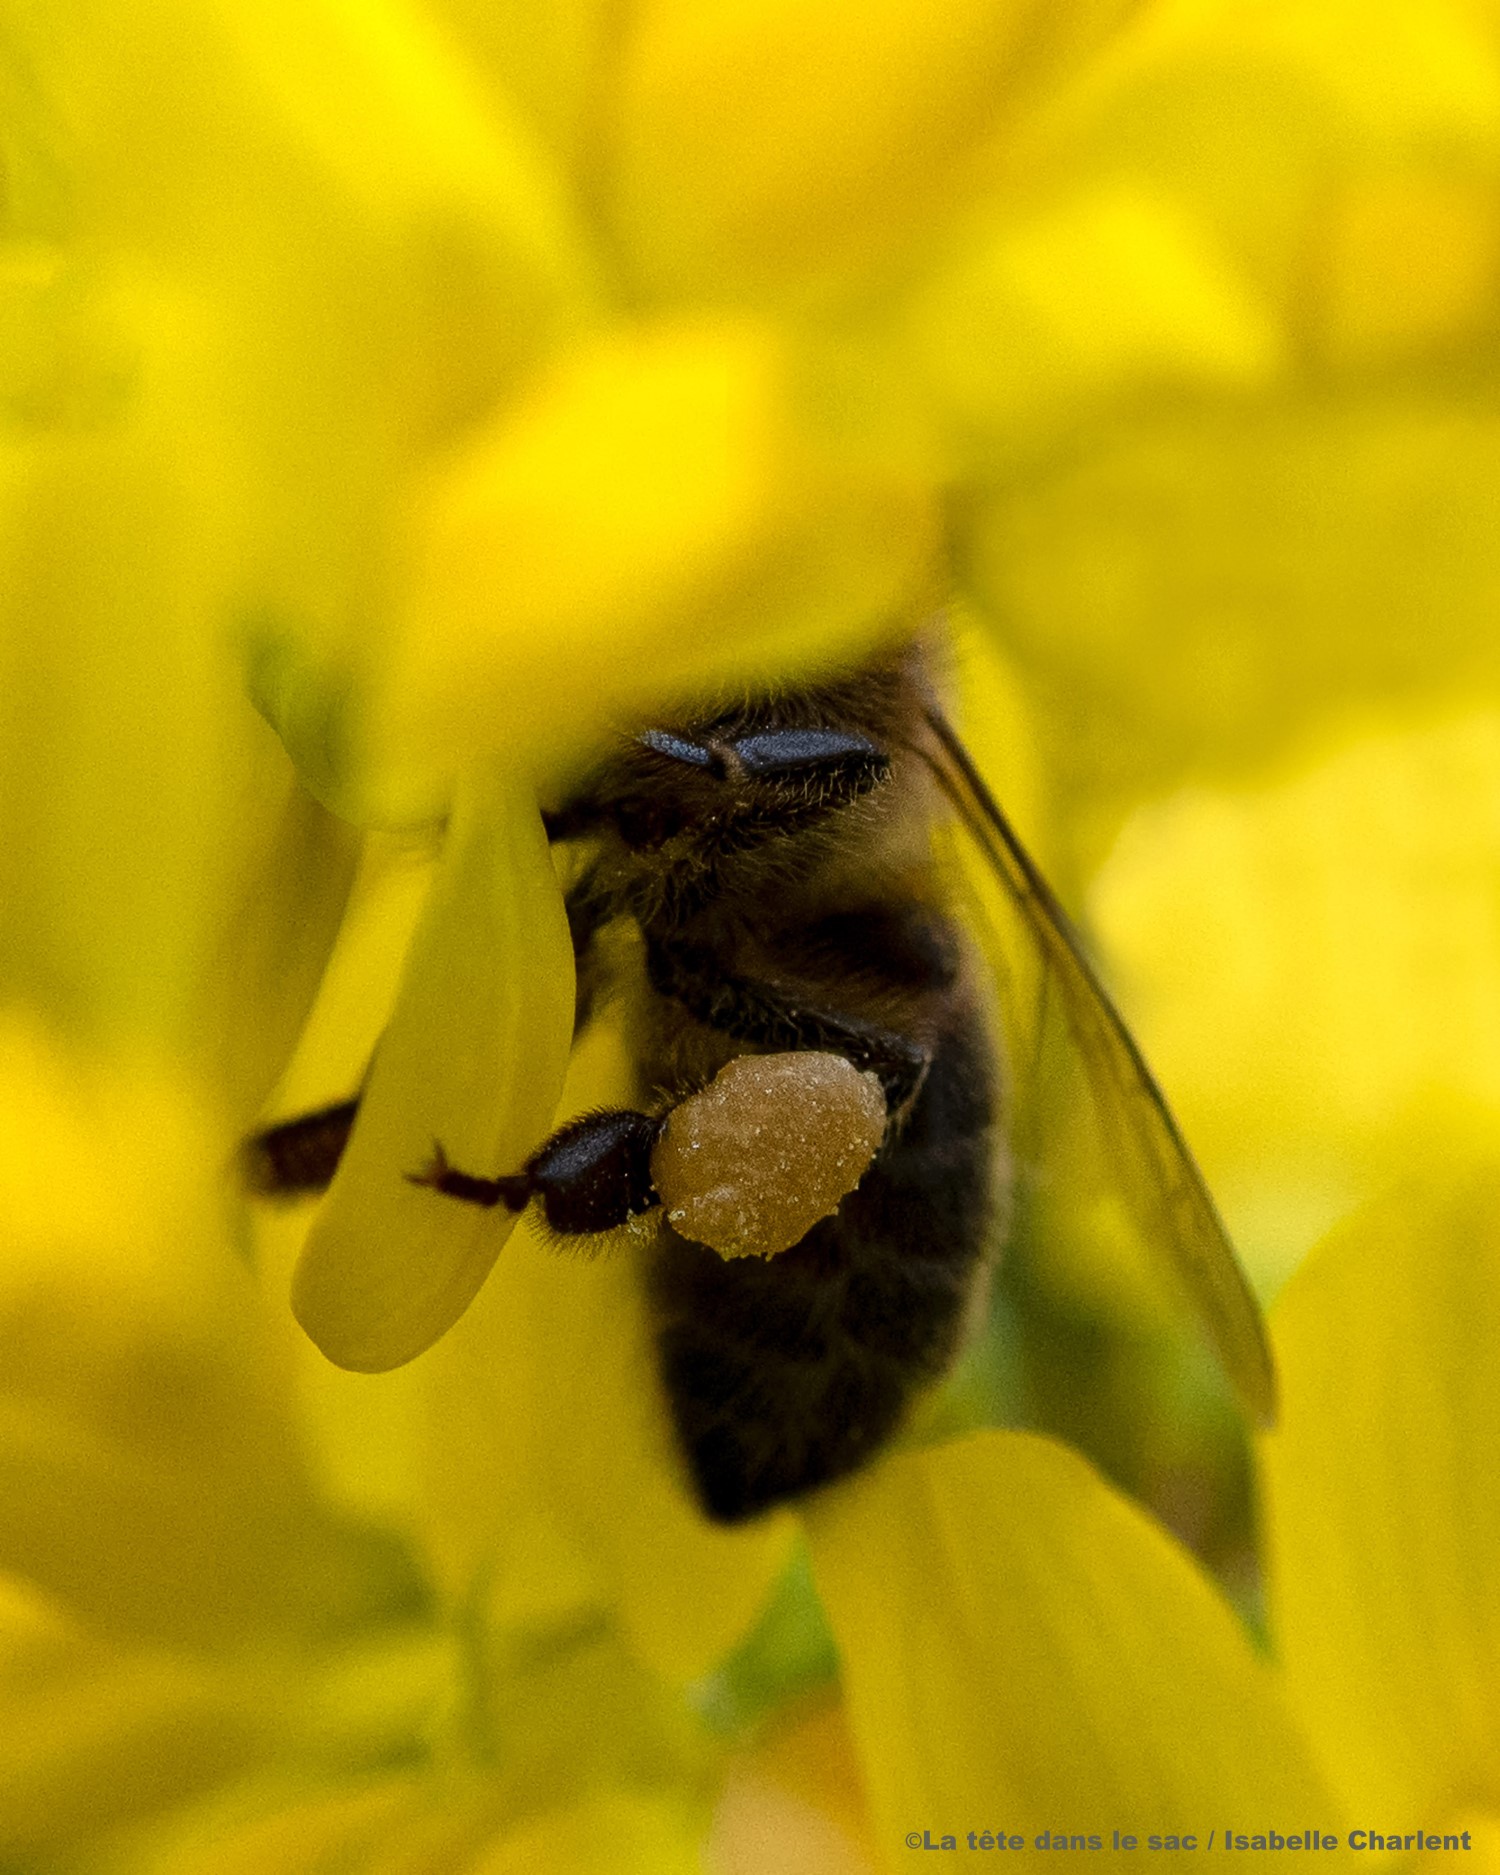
770 1146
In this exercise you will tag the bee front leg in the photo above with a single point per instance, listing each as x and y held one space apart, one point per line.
592 1175
301 1155
765 1015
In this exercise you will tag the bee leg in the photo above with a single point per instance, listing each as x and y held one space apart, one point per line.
592 1175
750 1011
300 1156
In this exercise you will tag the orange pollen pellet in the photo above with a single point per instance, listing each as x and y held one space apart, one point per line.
771 1145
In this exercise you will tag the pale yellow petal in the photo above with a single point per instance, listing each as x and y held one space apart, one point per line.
1301 520
474 1060
1337 156
530 1446
1023 1648
1383 1493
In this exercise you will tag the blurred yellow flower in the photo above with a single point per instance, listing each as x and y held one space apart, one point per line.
1035 1656
1312 964
1382 1499
455 379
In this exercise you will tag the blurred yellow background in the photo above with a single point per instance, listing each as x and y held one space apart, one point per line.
394 396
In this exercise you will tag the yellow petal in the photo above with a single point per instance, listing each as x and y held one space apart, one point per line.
1412 262
125 738
1024 1648
1336 156
546 60
97 1740
1483 1843
759 140
277 932
1110 293
548 1395
1218 583
386 1825
474 1058
545 1403
659 514
1312 968
339 188
531 1448
1211 574
149 1472
624 1833
345 252
1384 1518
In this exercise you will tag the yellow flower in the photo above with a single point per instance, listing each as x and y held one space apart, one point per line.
1036 1657
1381 1500
458 381
1312 964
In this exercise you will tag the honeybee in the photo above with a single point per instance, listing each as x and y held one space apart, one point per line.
771 863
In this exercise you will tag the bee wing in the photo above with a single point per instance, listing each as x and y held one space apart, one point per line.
1161 1178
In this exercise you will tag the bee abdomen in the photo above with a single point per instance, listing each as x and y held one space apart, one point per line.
786 1374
